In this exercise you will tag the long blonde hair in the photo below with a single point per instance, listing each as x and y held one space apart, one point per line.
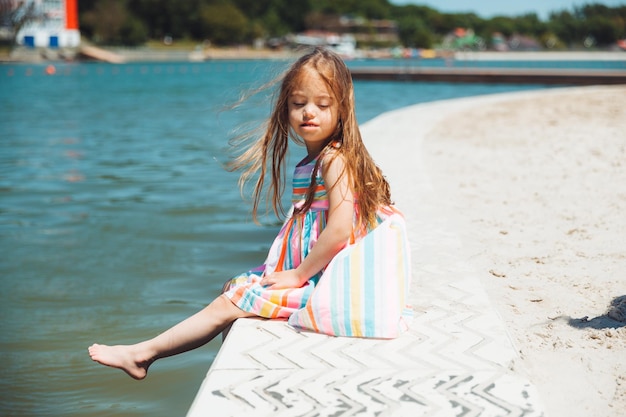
269 151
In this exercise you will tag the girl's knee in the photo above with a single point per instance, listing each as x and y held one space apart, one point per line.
231 309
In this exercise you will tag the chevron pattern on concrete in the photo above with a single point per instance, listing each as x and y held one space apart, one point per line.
455 360
267 368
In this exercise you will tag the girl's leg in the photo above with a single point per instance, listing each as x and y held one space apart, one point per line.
226 330
186 335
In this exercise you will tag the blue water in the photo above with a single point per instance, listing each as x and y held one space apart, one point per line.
117 220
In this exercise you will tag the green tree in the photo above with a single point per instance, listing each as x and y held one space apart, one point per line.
413 32
529 24
504 25
415 25
133 32
374 9
110 22
601 30
369 9
273 24
601 23
566 27
235 21
179 19
223 23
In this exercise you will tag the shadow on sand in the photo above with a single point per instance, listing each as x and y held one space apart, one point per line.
613 319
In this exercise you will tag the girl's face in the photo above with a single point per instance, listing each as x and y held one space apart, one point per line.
313 111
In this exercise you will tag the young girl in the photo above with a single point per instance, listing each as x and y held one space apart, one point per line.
339 195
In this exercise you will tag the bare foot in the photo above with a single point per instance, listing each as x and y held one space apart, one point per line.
122 357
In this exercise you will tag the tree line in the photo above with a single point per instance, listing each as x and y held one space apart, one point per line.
231 22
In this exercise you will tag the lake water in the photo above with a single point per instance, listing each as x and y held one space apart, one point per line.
117 220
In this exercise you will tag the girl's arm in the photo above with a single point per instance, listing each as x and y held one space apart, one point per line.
334 236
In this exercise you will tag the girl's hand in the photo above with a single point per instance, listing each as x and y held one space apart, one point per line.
282 279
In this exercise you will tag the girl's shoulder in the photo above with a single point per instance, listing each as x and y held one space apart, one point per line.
332 161
331 152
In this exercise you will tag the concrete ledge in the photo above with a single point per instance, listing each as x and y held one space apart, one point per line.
493 75
616 55
456 359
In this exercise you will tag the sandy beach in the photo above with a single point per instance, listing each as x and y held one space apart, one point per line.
535 185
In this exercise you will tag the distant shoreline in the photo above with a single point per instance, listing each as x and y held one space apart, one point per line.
147 54
235 53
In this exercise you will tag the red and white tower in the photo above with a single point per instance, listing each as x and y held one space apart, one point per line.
55 25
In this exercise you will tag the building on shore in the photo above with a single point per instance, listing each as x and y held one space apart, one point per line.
365 32
53 24
344 45
346 35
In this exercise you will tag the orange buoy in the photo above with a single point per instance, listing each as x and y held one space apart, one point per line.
50 70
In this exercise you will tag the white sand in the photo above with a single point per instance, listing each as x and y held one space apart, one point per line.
535 184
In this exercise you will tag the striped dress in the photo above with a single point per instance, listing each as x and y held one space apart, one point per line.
293 243
361 292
